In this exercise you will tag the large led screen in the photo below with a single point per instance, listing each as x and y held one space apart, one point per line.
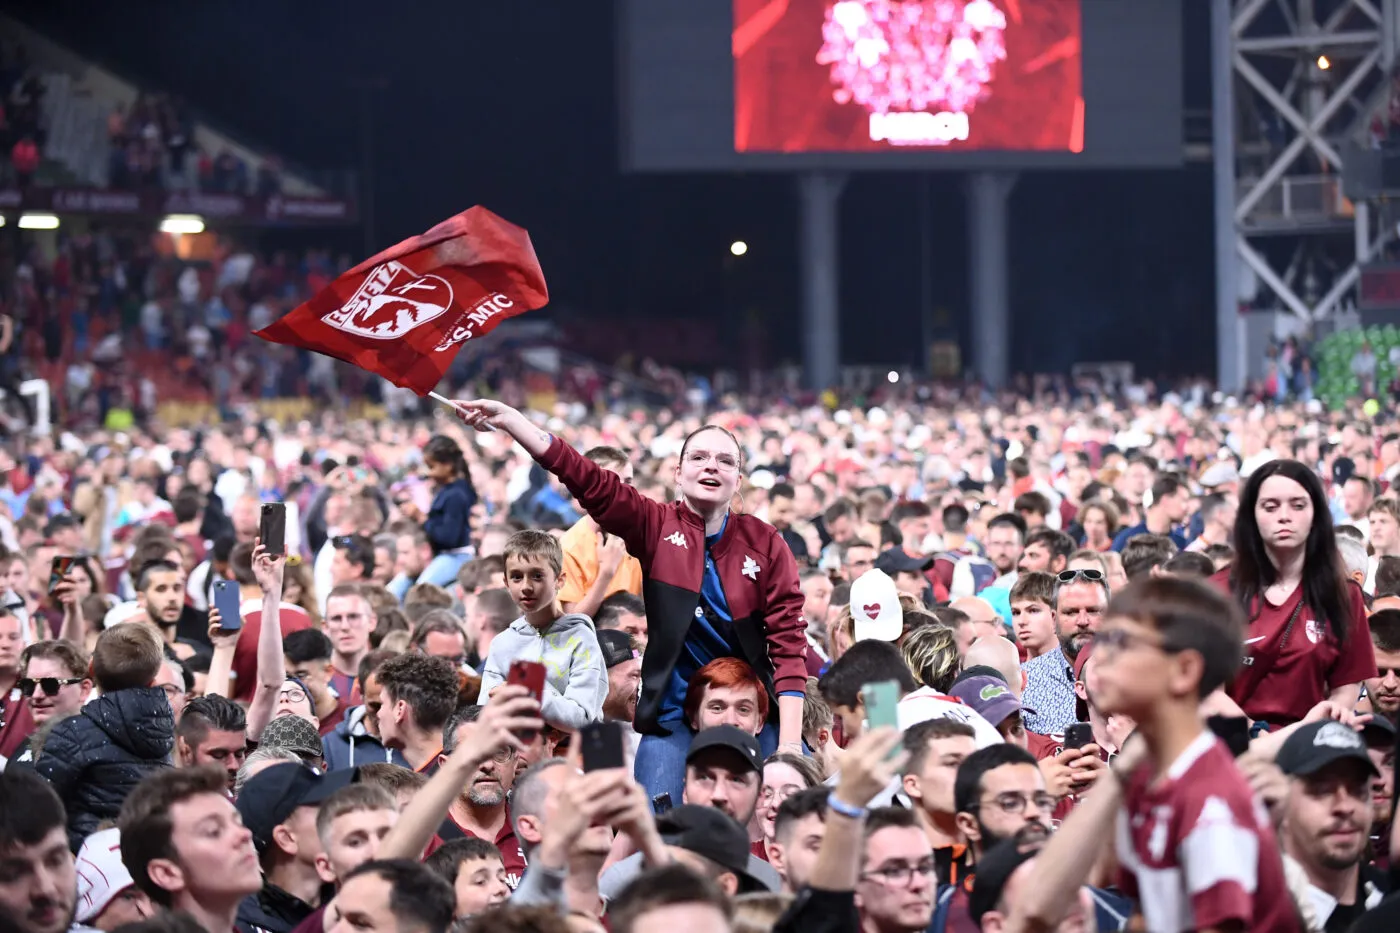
872 75
871 85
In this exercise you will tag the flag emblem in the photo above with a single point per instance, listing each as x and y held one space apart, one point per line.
393 301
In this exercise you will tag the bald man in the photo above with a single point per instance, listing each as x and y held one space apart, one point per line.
986 621
1000 655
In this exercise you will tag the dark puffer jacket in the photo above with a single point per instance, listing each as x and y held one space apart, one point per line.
95 758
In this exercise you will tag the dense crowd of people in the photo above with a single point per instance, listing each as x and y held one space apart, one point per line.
118 324
1051 663
152 143
116 321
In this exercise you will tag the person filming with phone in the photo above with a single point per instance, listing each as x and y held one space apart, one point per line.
557 650
717 583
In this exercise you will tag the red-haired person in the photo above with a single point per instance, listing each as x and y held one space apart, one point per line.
716 583
725 692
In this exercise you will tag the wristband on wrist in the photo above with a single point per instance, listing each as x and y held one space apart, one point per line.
836 805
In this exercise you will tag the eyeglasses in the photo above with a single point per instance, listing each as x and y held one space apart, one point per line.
294 695
171 691
503 755
901 875
1013 802
1083 573
50 685
1120 639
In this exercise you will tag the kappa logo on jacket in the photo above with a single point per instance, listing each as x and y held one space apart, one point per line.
677 539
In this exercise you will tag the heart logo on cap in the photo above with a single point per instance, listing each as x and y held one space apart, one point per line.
872 609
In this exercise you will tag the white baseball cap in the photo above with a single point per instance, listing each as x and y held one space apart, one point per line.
122 612
875 607
101 874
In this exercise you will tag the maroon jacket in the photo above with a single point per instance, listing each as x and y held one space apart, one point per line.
756 569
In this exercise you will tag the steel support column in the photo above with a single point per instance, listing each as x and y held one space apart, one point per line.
987 195
1229 329
820 196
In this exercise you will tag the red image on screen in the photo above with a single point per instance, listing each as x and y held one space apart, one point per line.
868 75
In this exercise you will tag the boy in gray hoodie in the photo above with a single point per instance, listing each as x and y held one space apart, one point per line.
576 680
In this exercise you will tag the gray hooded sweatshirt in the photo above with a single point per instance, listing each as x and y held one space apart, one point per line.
576 682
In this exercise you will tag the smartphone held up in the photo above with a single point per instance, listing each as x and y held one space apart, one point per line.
272 528
881 701
531 676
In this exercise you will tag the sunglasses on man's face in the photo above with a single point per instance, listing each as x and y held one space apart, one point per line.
50 685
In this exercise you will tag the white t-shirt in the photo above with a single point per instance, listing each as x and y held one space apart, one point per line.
321 572
925 704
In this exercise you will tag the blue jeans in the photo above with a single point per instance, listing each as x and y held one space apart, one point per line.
660 764
441 570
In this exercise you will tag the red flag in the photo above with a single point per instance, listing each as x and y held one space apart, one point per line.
405 314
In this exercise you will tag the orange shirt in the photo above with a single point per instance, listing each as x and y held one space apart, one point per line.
580 544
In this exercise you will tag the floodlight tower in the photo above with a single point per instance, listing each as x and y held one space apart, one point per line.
1297 85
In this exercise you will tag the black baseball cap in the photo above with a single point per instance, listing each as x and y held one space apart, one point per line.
617 647
732 738
715 835
1316 745
896 560
272 795
994 870
1379 731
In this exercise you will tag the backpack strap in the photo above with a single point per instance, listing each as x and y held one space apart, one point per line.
941 906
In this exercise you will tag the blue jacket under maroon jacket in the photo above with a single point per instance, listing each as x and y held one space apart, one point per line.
756 569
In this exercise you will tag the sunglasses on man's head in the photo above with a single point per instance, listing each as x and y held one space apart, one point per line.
356 545
1084 573
50 685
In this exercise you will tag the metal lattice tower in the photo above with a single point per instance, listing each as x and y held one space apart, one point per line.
1296 83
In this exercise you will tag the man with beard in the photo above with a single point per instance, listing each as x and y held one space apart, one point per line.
724 770
211 732
624 664
482 809
1080 598
1005 871
38 883
1379 735
160 592
1383 690
1327 819
999 791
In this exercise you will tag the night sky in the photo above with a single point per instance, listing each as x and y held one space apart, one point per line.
511 105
